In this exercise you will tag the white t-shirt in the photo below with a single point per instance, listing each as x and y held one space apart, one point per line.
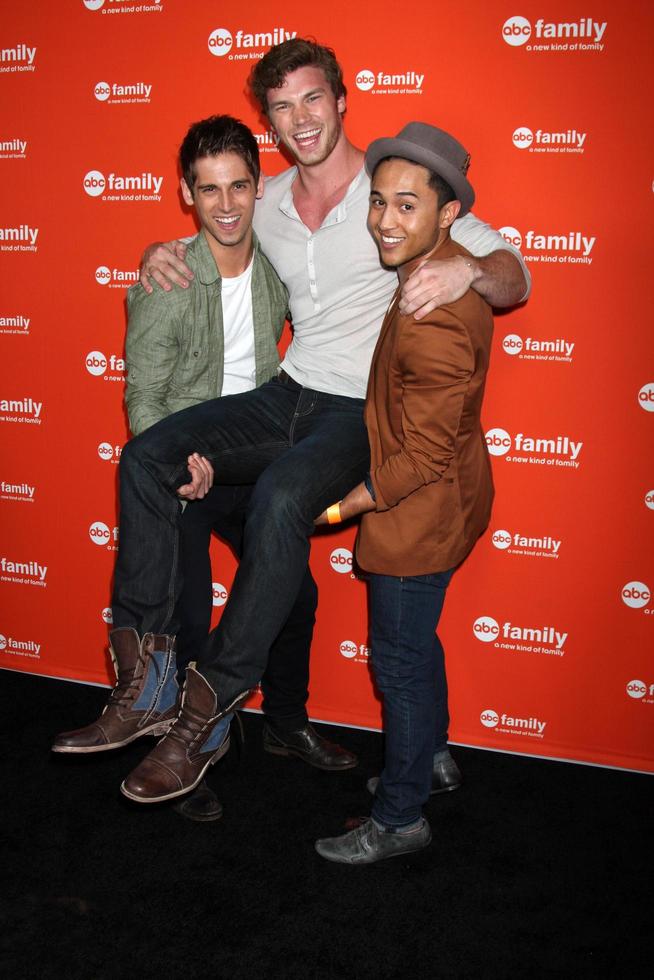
338 290
238 325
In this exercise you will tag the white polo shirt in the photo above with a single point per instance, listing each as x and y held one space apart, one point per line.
338 290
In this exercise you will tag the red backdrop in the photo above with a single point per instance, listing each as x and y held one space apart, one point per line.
548 627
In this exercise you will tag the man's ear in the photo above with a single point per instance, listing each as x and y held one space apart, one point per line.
186 193
340 104
260 187
449 213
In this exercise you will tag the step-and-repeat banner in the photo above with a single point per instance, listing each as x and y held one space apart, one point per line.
549 626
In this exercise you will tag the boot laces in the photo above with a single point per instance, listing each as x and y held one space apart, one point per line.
128 688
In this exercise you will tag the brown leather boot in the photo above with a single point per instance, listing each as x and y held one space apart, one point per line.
197 739
144 700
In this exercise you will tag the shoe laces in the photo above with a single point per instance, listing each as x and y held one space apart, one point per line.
128 688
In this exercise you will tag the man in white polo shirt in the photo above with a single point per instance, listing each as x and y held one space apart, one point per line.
301 436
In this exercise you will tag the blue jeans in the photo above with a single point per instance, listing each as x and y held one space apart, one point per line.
409 669
285 683
304 449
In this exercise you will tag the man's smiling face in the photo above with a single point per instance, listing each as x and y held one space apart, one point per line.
306 115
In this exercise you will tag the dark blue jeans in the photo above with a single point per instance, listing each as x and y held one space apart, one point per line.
304 449
285 683
409 669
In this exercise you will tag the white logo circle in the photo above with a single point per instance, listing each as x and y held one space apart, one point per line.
516 31
486 629
102 275
636 689
348 649
99 533
522 137
3 642
501 539
105 450
219 594
220 42
512 344
636 595
489 718
95 362
93 4
511 235
646 397
365 79
340 560
102 91
94 183
498 442
649 499
107 615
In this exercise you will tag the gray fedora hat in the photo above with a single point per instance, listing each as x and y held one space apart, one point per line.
432 148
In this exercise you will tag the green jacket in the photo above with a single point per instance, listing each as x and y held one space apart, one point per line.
175 340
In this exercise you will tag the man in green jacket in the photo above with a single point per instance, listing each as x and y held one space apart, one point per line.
218 337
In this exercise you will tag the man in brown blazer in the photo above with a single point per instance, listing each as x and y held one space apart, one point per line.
429 491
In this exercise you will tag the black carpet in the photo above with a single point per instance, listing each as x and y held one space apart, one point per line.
537 868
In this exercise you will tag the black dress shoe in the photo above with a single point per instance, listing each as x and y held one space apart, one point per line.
202 805
446 776
308 745
368 843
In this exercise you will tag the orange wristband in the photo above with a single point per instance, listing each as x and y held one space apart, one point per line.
334 514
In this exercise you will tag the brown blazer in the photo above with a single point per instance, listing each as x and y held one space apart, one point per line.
429 462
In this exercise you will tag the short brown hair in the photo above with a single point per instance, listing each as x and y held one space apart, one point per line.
298 52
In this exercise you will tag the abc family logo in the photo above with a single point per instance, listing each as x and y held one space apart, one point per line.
646 397
584 34
568 141
219 594
639 689
122 187
97 364
221 41
531 349
115 93
389 83
124 6
340 560
636 595
115 278
102 535
353 651
109 453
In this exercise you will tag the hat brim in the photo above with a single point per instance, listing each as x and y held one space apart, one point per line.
407 150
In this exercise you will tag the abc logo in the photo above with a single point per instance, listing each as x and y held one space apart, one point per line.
219 594
102 91
511 235
522 137
636 595
501 539
105 451
512 344
348 649
489 718
498 442
646 397
365 80
636 689
93 4
3 642
107 615
649 499
96 362
516 31
340 560
94 183
485 628
220 42
99 533
102 275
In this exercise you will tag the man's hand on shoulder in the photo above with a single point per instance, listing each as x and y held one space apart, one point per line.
164 262
435 283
